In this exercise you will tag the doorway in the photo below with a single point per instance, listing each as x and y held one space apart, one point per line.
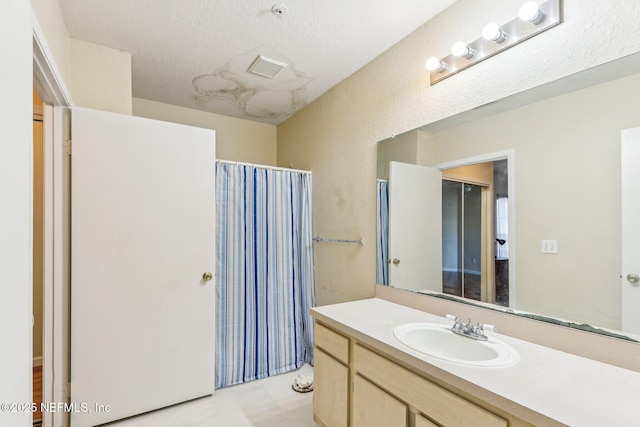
38 253
462 270
475 231
55 116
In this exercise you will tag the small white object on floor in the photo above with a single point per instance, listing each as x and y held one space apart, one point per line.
302 384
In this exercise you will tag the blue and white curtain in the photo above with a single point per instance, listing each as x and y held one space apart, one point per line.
502 227
265 285
382 245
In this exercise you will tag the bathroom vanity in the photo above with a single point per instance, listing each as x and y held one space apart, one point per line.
365 376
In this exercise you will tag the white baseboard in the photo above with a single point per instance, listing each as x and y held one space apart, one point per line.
37 361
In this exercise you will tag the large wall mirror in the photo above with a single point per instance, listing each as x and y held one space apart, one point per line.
517 204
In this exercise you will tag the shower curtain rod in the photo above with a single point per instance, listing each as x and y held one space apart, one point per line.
275 168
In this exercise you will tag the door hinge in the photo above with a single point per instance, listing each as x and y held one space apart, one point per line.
68 147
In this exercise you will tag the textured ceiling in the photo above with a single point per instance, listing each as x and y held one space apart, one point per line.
195 53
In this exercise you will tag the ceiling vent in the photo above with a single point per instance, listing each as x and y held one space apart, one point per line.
266 67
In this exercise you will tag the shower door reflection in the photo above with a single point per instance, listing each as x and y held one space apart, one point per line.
462 244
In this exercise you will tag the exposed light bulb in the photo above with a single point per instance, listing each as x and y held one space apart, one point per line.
434 64
530 12
493 32
461 49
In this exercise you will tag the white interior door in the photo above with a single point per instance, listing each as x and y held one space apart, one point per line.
143 227
630 152
16 191
415 227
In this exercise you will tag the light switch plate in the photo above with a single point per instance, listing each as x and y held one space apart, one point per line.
549 246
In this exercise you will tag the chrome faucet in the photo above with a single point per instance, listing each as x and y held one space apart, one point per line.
468 330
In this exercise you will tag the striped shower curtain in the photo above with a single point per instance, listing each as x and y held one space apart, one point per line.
265 285
382 243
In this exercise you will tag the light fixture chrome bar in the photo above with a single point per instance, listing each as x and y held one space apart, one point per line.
516 31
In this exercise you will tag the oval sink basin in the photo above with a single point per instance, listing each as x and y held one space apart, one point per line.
438 341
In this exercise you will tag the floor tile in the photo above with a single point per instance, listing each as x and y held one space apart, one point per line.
269 402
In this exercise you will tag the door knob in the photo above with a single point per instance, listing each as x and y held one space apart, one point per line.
207 276
633 278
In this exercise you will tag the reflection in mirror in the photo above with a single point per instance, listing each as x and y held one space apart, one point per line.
463 272
562 204
475 232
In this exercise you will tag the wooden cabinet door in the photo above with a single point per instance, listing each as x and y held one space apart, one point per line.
331 391
372 407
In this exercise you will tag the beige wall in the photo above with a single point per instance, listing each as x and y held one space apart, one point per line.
335 136
236 139
567 188
100 77
51 23
402 148
96 76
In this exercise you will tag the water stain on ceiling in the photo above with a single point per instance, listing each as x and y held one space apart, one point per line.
195 53
253 96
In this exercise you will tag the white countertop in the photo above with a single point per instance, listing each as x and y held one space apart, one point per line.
545 384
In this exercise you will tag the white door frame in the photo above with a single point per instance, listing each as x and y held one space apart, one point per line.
56 283
510 155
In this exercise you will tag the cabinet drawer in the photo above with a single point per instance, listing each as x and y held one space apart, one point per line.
332 342
437 403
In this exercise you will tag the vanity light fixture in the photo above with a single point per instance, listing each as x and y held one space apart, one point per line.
531 12
494 33
461 50
434 64
532 19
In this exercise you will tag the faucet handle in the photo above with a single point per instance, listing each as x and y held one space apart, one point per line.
480 328
469 325
457 323
490 328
